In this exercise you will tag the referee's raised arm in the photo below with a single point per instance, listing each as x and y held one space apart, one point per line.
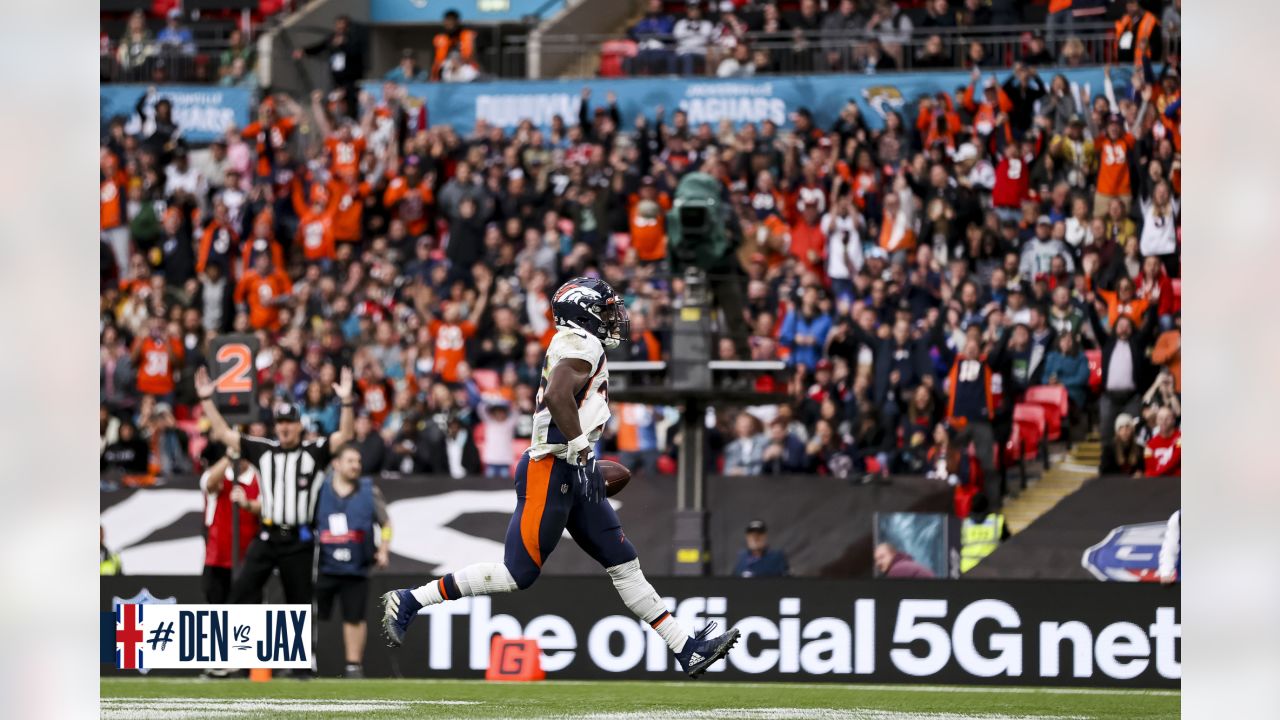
220 430
345 390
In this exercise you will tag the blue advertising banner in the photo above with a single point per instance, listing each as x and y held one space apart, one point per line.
202 112
471 11
753 100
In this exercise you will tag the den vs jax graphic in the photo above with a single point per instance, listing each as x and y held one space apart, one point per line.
145 636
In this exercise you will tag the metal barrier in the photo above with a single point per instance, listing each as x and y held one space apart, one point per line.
827 52
165 66
788 53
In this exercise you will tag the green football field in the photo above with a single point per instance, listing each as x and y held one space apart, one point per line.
164 699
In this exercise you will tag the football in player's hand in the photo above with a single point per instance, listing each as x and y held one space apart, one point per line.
616 476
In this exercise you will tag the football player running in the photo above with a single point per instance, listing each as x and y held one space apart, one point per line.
559 487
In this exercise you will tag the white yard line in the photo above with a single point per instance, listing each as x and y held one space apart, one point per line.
783 713
889 688
279 701
181 708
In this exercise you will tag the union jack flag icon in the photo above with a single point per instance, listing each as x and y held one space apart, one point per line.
129 636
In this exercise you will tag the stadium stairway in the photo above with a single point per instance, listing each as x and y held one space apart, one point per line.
1066 473
587 64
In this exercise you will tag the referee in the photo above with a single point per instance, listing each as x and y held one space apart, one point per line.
289 472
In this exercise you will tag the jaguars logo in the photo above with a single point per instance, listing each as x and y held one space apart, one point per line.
884 99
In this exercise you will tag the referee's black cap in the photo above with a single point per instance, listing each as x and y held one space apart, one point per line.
287 412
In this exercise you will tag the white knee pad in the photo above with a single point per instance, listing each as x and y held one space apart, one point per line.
484 579
636 592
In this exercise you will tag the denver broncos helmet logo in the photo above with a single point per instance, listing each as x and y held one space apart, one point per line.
577 294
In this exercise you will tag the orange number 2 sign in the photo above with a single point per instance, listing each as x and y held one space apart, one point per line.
236 379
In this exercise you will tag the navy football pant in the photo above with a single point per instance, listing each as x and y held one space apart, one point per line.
548 502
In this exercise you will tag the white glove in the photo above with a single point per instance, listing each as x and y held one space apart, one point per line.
576 446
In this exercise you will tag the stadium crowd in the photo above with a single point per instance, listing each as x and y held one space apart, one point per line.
918 278
732 38
741 38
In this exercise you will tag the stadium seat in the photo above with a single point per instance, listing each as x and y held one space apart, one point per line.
487 380
1051 396
1095 369
1031 424
1054 400
1012 448
613 53
1177 294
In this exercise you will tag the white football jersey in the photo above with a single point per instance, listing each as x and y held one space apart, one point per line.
593 398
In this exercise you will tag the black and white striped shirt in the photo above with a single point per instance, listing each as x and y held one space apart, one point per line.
289 479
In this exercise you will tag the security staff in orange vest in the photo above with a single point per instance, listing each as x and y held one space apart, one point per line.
453 37
1135 33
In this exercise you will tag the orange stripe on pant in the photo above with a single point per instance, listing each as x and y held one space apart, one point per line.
537 477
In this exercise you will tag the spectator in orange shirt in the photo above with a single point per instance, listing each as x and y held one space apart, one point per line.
315 227
263 242
993 103
1123 302
111 203
409 197
348 194
644 345
376 392
344 146
1113 150
1168 351
263 291
270 132
808 243
648 221
450 335
938 120
898 225
157 356
219 241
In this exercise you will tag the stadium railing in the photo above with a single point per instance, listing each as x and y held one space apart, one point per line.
789 52
166 66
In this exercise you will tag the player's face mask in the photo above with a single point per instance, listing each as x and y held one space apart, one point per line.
616 322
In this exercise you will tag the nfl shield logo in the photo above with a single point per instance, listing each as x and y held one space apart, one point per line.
127 635
1129 553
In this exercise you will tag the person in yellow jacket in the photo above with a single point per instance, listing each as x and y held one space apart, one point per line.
980 533
108 562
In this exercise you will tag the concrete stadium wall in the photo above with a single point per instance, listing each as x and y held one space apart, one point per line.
280 72
578 18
